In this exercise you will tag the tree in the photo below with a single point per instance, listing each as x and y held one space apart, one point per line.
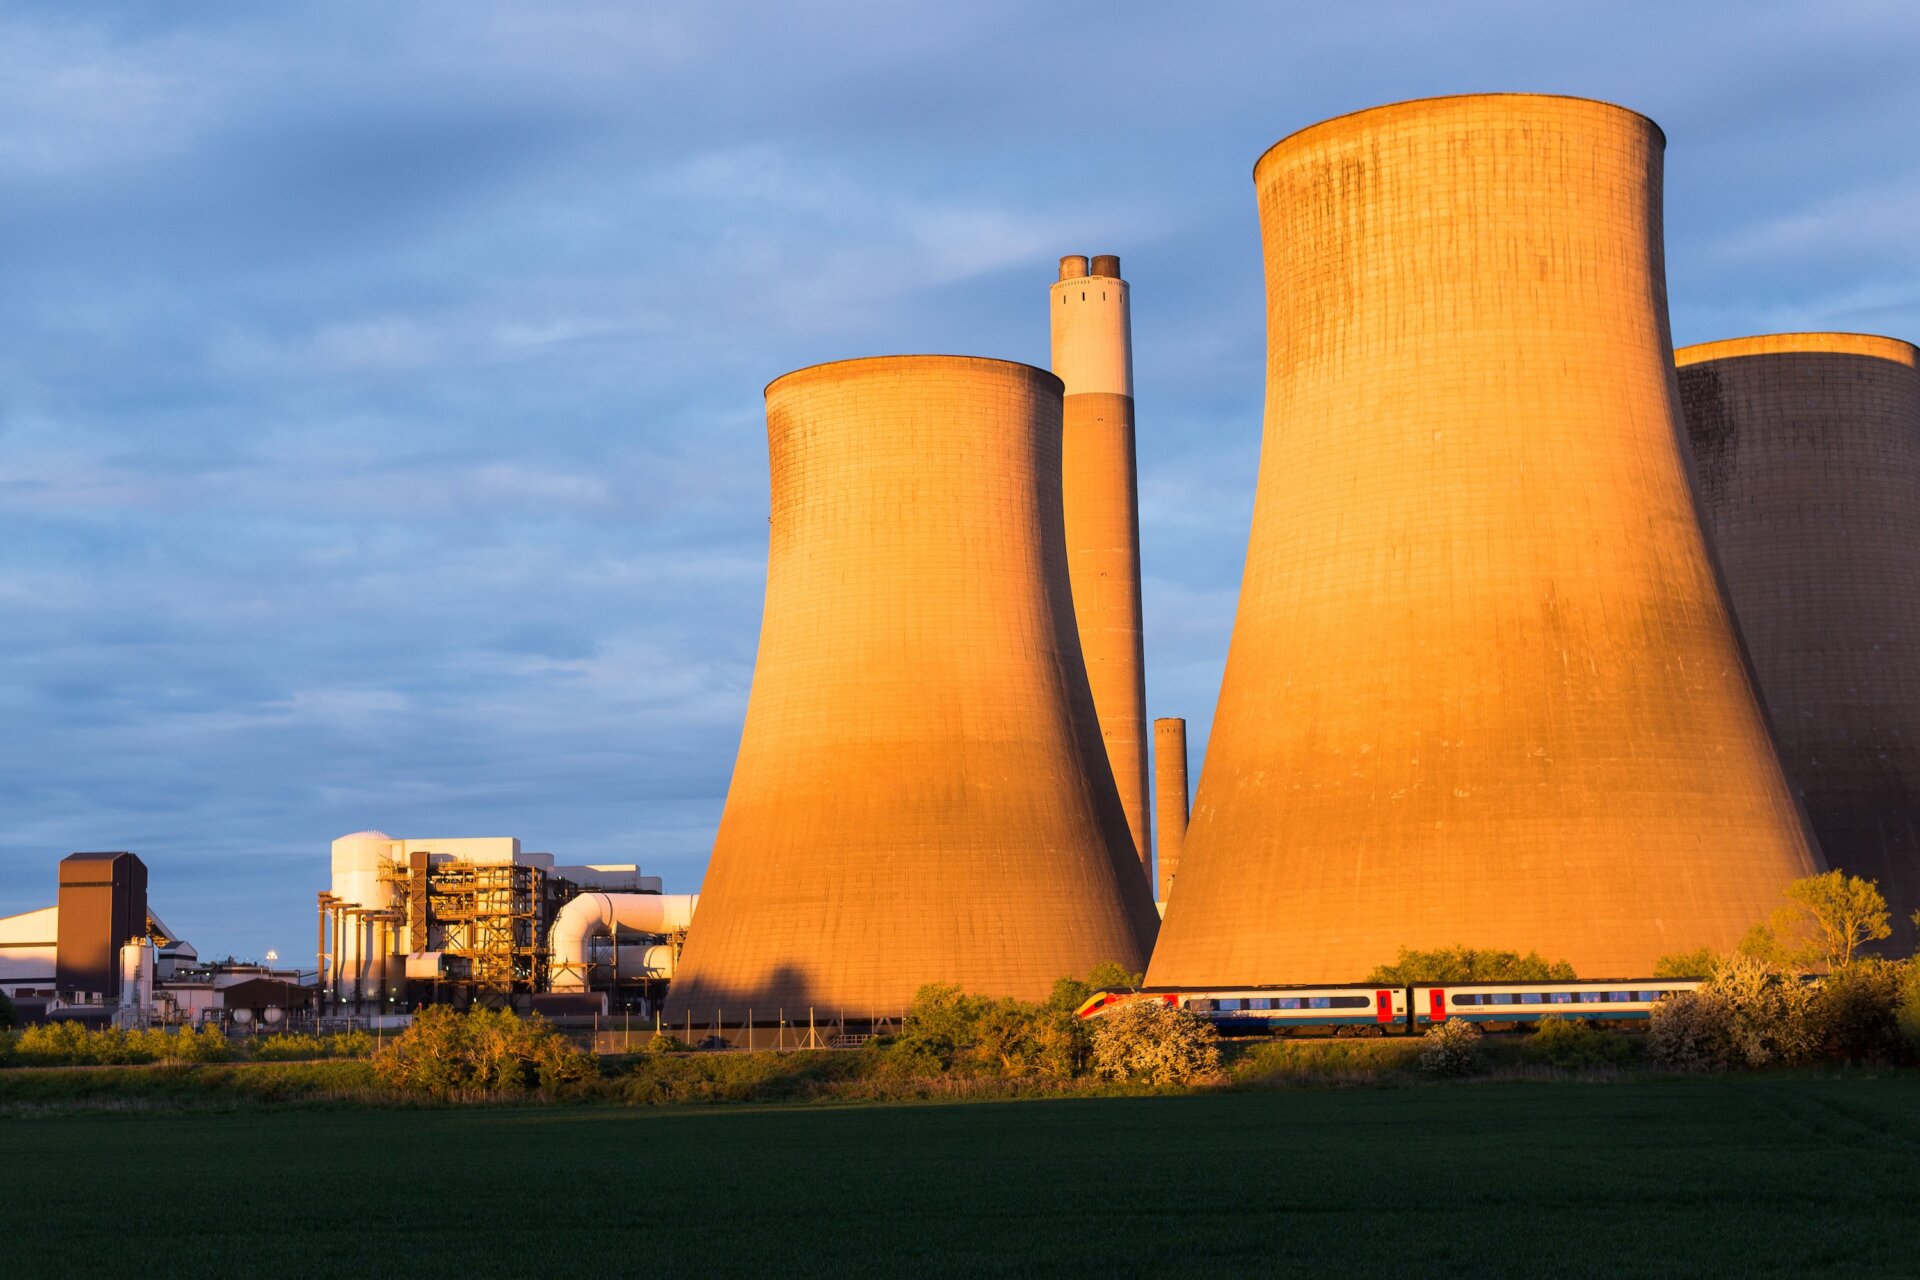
1470 964
1823 923
1703 962
7 1015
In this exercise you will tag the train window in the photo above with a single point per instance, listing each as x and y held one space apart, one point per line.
1619 997
1530 997
1260 1004
1200 1006
1317 1002
1286 1002
1227 1006
1590 997
1560 997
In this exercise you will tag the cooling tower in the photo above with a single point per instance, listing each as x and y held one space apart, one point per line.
1170 797
920 794
1093 357
1806 450
1483 687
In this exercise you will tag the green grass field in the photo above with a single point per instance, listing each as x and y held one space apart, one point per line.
1750 1176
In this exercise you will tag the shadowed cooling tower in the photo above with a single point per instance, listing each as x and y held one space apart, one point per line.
1093 356
920 795
1806 450
1483 686
1170 796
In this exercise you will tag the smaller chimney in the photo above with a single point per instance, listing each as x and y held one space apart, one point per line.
1170 796
1073 266
1107 265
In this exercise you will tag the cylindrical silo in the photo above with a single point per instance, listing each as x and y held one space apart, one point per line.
1483 687
919 795
1806 450
1093 357
1169 797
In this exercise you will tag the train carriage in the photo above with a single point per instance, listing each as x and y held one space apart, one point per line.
1531 1001
1260 1010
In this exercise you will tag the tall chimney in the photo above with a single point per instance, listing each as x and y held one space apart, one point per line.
1093 357
1170 796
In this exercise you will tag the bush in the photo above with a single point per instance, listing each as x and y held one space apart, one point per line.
1576 1042
1689 1031
1451 1049
1770 1012
1470 964
1146 1040
948 1031
483 1051
1749 1014
1906 1014
7 1015
1854 1012
296 1046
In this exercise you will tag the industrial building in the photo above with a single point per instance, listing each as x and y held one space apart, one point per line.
921 793
409 922
1806 449
1483 686
102 955
1092 340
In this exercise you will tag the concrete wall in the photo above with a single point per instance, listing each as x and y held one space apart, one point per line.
1483 686
920 794
1806 447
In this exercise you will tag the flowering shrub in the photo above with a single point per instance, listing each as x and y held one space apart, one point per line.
1145 1040
1452 1049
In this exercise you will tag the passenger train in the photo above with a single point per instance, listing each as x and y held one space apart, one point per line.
1385 1009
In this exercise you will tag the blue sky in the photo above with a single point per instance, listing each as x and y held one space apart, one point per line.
380 421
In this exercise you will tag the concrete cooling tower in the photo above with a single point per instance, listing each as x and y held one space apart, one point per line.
1806 450
1092 333
920 794
1483 687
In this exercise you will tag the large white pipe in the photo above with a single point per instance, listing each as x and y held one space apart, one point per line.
596 913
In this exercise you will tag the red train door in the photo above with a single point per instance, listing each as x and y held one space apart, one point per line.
1383 1006
1439 1007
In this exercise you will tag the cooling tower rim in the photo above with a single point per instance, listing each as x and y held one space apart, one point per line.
1410 103
1809 342
817 370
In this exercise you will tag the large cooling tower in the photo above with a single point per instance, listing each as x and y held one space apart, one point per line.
1483 687
1092 333
1806 450
920 794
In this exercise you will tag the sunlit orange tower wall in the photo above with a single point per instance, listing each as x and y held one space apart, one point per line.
1093 355
1806 450
1483 687
919 795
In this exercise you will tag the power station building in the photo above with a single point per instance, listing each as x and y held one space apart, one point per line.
921 793
421 921
1806 449
1483 685
1092 332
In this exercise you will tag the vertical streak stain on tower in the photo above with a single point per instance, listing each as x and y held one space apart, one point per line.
1807 451
1169 797
1483 686
1093 356
919 795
